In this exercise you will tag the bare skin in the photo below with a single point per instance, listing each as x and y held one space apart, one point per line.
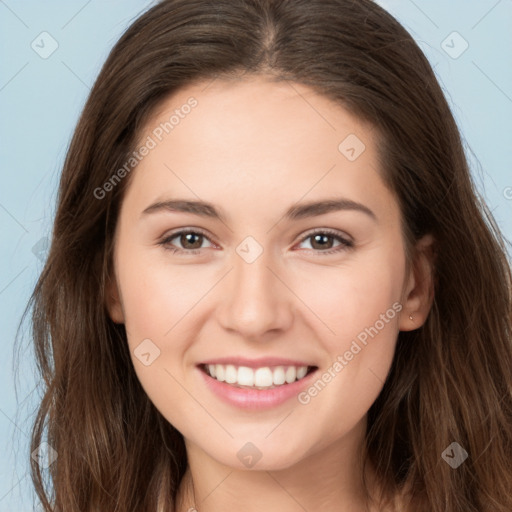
254 148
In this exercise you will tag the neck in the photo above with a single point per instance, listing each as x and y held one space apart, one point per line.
329 479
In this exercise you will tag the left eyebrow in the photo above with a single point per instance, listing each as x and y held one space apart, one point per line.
299 211
315 208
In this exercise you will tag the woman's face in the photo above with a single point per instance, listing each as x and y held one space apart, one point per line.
257 238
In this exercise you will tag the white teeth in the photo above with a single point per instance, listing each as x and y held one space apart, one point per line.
264 377
301 372
245 376
278 376
219 372
231 374
290 375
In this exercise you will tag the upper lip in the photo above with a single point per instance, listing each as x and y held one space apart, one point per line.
255 363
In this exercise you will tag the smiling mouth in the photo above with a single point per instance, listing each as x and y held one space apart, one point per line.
262 378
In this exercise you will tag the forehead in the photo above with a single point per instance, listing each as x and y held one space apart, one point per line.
256 109
279 141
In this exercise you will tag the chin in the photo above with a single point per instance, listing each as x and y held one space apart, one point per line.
259 456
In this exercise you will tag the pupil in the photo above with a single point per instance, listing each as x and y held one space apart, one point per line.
318 238
188 236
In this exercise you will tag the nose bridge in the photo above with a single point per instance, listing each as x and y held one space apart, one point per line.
255 300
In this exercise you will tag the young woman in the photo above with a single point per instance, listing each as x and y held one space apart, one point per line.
272 284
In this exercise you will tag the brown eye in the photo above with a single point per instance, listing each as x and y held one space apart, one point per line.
194 239
191 241
322 241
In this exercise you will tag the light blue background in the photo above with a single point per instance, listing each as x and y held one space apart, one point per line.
40 100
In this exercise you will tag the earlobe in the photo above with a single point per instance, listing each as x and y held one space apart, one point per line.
113 302
419 294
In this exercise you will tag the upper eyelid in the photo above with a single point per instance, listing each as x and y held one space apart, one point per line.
328 231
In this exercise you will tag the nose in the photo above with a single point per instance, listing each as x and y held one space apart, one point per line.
255 301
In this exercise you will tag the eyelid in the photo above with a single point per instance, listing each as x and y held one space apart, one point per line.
327 231
346 242
165 239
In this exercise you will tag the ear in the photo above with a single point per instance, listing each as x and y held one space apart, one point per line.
419 292
113 301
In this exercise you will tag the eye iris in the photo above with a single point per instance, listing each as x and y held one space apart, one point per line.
193 240
320 237
186 239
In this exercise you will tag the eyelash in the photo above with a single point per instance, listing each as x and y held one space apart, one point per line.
344 245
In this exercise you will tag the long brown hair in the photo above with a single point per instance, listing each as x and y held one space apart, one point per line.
451 379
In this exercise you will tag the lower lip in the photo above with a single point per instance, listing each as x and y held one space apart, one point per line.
256 399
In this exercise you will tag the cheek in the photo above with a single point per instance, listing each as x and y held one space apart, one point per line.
157 302
359 308
354 296
156 296
161 304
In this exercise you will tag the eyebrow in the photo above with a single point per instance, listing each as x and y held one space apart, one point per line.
295 212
